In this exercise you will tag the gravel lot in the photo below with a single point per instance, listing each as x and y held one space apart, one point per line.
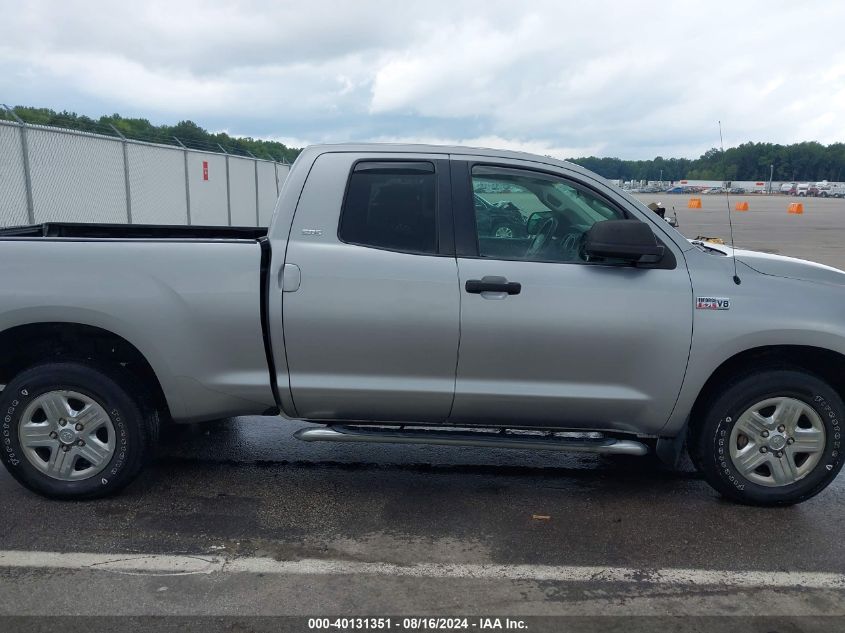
251 522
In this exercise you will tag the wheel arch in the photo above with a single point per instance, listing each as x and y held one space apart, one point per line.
23 346
823 363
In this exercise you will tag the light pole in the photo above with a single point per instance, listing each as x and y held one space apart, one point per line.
771 175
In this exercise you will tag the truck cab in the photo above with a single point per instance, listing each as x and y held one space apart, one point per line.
419 317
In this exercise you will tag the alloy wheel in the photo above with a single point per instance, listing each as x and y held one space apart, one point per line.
777 441
67 435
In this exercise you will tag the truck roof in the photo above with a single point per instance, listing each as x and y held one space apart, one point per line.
412 148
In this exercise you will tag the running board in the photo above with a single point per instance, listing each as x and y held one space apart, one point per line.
549 442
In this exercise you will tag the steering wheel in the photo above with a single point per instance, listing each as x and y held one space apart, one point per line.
541 239
582 248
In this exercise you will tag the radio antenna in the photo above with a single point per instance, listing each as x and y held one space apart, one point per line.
737 280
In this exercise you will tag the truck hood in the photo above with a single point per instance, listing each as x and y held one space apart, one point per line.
782 266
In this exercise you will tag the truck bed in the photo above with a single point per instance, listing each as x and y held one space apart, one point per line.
189 299
135 231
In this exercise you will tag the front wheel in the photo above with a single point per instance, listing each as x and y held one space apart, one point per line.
773 438
72 431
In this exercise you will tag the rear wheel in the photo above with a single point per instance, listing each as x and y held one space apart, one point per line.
771 438
72 431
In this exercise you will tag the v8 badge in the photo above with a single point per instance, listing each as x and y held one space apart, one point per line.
712 303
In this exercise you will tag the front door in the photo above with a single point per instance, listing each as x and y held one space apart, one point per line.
547 338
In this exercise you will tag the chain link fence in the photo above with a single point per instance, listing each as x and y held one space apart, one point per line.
50 174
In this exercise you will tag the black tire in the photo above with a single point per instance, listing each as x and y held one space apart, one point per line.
709 435
135 432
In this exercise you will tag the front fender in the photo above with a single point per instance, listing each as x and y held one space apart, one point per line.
764 311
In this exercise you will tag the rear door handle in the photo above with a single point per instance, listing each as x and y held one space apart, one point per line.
492 284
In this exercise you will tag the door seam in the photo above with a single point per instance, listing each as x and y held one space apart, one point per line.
458 351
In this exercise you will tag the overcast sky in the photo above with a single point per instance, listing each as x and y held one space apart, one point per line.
631 79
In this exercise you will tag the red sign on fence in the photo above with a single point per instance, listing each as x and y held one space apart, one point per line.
205 170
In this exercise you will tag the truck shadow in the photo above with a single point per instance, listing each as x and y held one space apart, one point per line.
607 514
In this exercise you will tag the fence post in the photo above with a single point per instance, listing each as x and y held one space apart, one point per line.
125 174
255 165
187 180
27 174
228 186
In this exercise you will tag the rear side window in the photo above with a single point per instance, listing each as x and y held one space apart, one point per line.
391 205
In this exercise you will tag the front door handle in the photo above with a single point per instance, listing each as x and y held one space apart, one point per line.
492 284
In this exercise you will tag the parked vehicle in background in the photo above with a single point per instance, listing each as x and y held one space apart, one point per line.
788 188
380 306
801 189
823 189
498 219
677 189
736 190
837 190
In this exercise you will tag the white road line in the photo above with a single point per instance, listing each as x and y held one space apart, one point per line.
163 564
121 563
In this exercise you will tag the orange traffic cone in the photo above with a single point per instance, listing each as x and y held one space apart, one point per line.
694 203
741 206
796 207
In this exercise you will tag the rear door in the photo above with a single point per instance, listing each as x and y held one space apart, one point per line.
371 308
547 338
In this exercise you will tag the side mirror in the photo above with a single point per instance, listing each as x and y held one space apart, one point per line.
630 241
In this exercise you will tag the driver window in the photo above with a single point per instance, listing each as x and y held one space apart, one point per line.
520 214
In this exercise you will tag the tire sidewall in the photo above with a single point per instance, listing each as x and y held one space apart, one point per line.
122 411
736 401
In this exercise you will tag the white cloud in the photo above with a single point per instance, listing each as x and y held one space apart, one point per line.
609 78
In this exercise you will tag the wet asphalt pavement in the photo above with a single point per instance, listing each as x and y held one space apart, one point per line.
245 488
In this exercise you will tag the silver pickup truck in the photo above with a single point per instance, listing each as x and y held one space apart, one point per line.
432 295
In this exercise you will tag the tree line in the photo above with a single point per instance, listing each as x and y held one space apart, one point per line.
808 161
188 133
